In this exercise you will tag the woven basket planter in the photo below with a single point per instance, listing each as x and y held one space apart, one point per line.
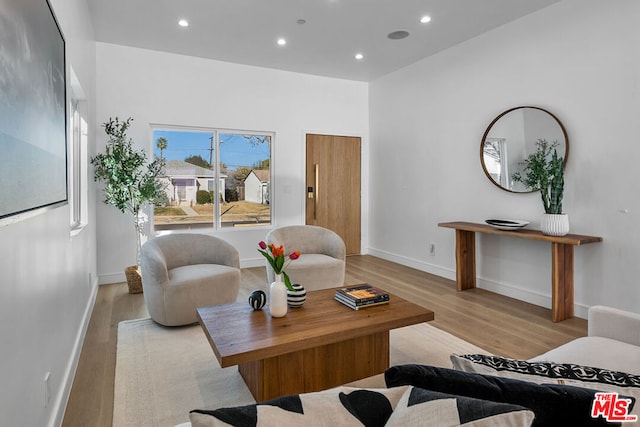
134 279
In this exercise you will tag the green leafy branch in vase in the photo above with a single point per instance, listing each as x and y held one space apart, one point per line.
544 170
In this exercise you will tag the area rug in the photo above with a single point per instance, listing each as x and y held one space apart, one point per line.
162 373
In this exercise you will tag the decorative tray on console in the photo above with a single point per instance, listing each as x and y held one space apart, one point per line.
507 224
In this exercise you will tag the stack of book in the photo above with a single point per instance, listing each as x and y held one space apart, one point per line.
361 296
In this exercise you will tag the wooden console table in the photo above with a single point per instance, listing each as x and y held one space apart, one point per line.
561 260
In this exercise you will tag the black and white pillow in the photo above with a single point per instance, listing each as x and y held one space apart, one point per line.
420 407
543 372
553 373
344 406
553 404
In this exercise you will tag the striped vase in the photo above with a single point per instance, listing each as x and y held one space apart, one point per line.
297 297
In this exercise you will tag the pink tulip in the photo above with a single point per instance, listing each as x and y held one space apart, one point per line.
294 255
262 245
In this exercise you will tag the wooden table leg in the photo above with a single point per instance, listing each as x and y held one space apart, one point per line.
465 259
561 282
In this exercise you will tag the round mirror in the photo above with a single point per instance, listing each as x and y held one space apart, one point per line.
511 137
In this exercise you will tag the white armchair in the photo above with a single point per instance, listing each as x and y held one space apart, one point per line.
322 255
181 272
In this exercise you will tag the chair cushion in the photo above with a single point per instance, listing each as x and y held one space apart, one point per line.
199 273
194 286
317 271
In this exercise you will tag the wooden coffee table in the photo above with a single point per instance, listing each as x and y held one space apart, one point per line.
318 346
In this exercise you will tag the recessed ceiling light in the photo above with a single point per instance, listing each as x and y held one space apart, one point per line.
183 23
301 21
281 42
425 19
397 35
359 56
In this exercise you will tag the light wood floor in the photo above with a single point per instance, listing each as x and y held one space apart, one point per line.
496 323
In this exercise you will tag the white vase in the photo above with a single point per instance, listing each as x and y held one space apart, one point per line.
555 224
278 297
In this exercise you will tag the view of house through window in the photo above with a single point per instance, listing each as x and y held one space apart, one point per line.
213 178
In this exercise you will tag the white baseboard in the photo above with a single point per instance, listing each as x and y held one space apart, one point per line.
505 289
107 279
60 405
253 262
535 298
414 263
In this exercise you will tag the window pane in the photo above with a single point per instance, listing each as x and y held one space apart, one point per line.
201 164
245 162
188 156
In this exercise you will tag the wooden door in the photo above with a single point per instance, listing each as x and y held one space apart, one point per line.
333 186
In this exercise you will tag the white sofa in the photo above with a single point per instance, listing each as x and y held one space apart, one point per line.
613 342
606 360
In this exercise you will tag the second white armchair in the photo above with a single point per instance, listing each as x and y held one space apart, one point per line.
323 255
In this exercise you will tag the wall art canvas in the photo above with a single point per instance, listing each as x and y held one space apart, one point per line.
33 117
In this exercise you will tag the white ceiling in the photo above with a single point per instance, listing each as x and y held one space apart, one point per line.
245 31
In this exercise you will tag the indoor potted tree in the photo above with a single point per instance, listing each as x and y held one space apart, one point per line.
544 170
129 182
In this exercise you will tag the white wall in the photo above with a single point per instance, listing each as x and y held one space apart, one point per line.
578 59
168 89
46 293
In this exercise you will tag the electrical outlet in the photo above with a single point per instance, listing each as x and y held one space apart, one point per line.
47 392
432 249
